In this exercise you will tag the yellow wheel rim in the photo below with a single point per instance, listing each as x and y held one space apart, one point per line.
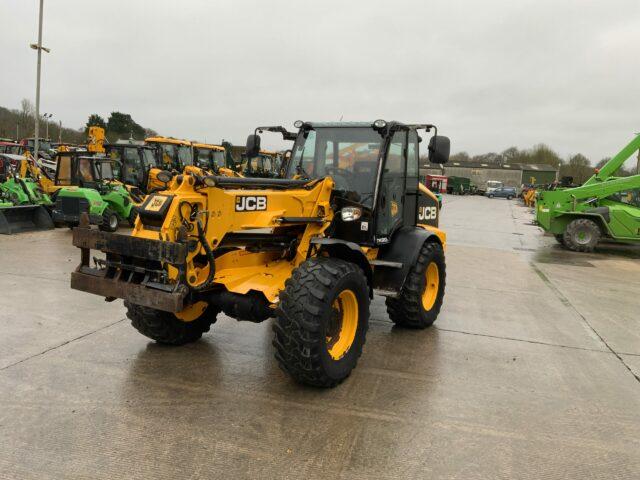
343 325
431 286
192 312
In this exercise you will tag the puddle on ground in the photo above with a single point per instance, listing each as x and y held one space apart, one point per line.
562 260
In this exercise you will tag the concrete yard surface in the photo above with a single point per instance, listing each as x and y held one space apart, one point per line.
531 371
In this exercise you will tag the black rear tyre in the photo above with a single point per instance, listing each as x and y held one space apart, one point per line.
559 239
322 321
109 221
582 235
420 300
166 328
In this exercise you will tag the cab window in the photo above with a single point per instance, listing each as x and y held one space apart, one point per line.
392 187
132 169
63 172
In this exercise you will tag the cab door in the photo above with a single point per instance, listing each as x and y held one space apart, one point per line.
391 196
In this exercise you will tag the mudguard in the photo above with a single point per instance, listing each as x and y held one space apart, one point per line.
349 251
396 258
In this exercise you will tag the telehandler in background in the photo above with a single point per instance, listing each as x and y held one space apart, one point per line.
605 207
172 153
265 164
309 249
138 162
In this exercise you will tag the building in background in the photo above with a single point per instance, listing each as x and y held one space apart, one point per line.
509 174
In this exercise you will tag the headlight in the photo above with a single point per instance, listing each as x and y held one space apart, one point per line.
379 124
298 123
349 214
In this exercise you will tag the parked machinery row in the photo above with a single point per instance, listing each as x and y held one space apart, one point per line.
107 181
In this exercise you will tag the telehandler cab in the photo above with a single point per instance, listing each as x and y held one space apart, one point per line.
138 161
309 249
210 157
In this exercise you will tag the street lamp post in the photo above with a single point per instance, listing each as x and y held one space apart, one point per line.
38 46
47 117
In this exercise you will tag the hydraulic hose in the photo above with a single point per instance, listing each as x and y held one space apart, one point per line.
210 258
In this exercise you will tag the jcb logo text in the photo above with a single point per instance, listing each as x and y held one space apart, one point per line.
250 203
427 213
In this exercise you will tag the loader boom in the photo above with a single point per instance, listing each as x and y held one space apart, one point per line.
613 165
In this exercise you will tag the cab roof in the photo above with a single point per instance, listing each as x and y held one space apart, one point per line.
208 146
174 141
390 125
338 124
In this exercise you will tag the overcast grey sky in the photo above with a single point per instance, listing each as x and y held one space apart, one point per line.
491 73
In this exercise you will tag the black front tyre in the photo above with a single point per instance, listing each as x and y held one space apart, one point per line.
322 321
420 299
109 221
166 328
582 235
559 239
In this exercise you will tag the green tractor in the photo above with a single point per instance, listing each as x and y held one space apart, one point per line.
23 205
90 184
604 207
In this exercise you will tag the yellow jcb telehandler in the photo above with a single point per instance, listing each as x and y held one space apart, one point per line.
309 249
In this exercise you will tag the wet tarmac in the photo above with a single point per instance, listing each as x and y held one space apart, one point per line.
531 371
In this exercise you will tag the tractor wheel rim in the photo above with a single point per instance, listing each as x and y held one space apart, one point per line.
584 237
344 324
113 221
431 286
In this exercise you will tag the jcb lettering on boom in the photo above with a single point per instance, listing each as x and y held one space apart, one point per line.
248 203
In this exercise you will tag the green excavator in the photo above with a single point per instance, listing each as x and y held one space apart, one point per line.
606 207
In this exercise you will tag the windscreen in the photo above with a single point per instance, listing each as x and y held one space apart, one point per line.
148 157
203 157
169 153
347 154
107 170
218 158
185 155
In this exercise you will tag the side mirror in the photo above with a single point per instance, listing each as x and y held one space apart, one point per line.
253 146
439 148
